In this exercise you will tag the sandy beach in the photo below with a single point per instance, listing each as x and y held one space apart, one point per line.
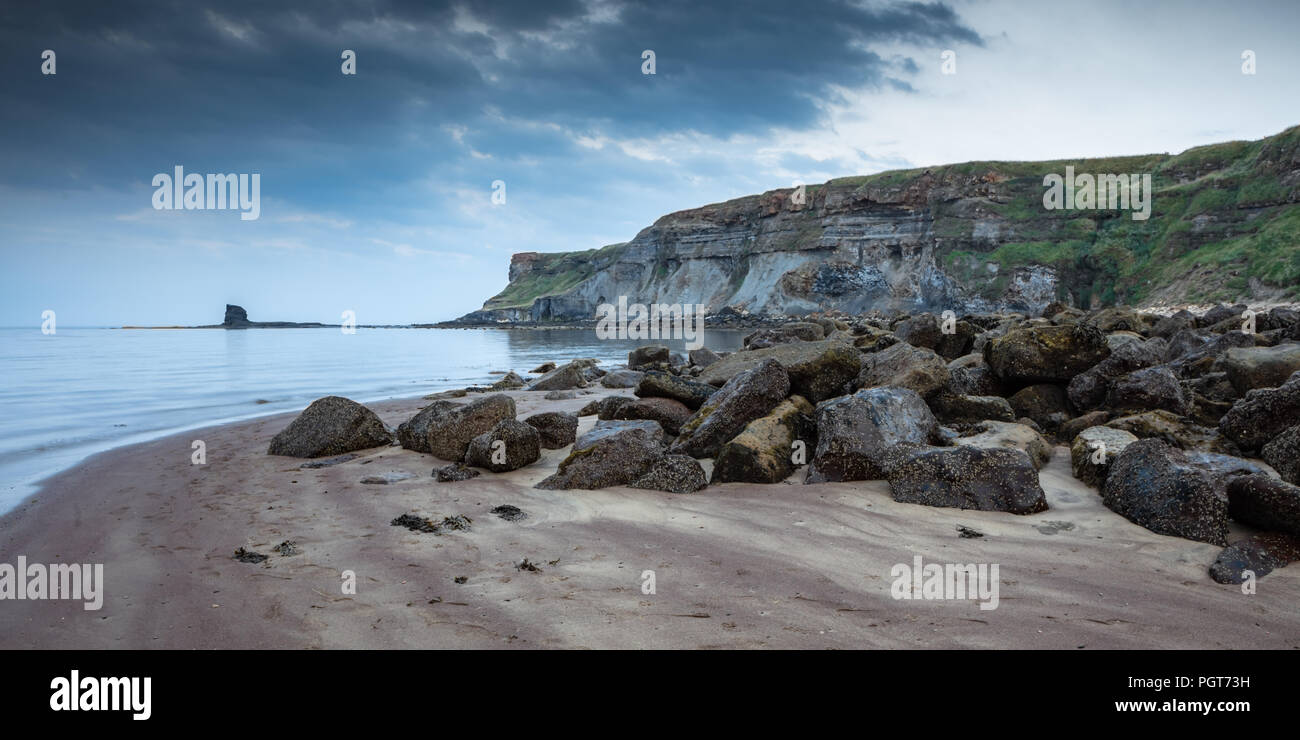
735 566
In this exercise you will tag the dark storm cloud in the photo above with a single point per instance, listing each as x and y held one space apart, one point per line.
243 84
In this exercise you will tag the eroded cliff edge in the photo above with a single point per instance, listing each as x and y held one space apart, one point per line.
1224 226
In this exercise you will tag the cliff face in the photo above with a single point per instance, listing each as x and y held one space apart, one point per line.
1224 225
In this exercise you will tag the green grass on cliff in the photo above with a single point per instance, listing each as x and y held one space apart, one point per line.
1221 222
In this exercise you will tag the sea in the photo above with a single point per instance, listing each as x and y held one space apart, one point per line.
81 391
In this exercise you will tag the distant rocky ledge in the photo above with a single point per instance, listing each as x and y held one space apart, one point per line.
237 318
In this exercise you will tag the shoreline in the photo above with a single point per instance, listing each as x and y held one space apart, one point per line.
737 566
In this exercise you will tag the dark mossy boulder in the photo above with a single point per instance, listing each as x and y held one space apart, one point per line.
1046 354
331 425
657 384
413 434
763 452
510 445
555 429
451 431
969 478
861 436
747 396
1153 484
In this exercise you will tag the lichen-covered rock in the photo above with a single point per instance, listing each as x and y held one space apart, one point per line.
1153 484
1046 354
612 457
951 407
622 378
451 431
565 377
413 434
702 357
1094 450
508 382
969 375
1257 555
670 413
1249 368
1148 389
649 355
903 366
1045 403
673 474
331 425
1000 435
860 437
825 374
656 384
555 429
1263 414
1174 429
606 407
969 478
510 445
745 397
607 428
763 452
1265 502
1283 453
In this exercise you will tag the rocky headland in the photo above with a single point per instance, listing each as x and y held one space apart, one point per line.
1224 226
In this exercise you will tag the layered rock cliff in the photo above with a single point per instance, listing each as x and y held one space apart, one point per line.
1224 225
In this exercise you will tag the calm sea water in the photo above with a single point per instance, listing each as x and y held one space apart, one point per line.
81 391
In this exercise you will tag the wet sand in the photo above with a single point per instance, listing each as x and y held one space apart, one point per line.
735 565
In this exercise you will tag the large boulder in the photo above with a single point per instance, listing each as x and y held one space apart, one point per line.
702 357
969 478
1148 389
1263 414
1088 389
794 331
1045 403
903 366
562 378
622 378
331 425
607 407
970 375
658 384
1000 435
614 457
673 474
1265 502
1046 354
555 429
788 355
1153 484
747 396
1094 450
825 374
1249 368
510 445
1259 555
451 431
1283 453
608 428
651 355
670 414
862 436
763 452
413 434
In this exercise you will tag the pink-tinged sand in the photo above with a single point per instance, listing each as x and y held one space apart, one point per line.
736 565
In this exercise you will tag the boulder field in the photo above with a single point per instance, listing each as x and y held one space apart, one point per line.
1185 424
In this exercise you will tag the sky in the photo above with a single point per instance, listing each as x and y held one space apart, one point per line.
376 188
